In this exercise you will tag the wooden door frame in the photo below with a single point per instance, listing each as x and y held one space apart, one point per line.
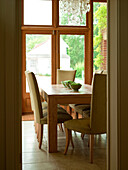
11 109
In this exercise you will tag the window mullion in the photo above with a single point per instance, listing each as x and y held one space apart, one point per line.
55 13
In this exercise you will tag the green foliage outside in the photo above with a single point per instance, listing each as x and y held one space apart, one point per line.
40 74
65 20
76 42
79 67
100 24
76 47
75 50
32 40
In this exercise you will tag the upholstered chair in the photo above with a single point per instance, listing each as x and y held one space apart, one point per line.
63 75
83 109
96 123
40 109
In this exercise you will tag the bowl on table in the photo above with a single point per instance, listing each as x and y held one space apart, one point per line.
63 82
67 83
75 86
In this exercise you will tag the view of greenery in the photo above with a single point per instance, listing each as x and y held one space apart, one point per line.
99 24
34 39
76 42
66 17
76 52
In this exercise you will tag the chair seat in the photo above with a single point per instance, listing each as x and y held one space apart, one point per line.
82 126
79 125
44 105
86 113
62 114
83 109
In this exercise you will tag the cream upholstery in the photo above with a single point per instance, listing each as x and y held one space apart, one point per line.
84 109
40 109
63 75
98 107
31 97
99 104
96 124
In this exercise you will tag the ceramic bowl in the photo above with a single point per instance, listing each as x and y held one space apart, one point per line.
75 86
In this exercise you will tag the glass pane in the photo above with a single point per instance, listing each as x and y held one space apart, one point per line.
72 55
99 36
72 12
38 57
38 12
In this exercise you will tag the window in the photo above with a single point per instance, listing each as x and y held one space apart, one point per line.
51 40
74 57
37 12
100 36
38 57
66 16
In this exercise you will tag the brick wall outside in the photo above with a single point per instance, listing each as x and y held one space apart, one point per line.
104 54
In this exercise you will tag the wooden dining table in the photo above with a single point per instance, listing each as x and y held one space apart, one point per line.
58 94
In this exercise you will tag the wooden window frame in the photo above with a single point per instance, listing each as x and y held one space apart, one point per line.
55 30
99 0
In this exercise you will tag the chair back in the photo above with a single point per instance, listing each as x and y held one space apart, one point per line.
104 71
99 104
63 75
34 96
31 99
96 72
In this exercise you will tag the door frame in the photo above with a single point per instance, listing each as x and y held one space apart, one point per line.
11 107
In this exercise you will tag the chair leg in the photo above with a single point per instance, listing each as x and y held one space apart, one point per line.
40 129
76 115
82 135
99 137
65 107
91 147
37 128
70 110
61 127
89 141
68 138
71 139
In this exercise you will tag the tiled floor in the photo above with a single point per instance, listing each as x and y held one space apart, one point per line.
76 159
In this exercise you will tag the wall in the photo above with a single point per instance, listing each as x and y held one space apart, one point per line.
118 83
10 85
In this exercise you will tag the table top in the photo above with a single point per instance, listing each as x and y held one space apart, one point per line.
59 89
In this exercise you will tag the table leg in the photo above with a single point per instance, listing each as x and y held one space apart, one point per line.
52 125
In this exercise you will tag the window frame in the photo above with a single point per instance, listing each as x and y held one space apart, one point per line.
55 30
